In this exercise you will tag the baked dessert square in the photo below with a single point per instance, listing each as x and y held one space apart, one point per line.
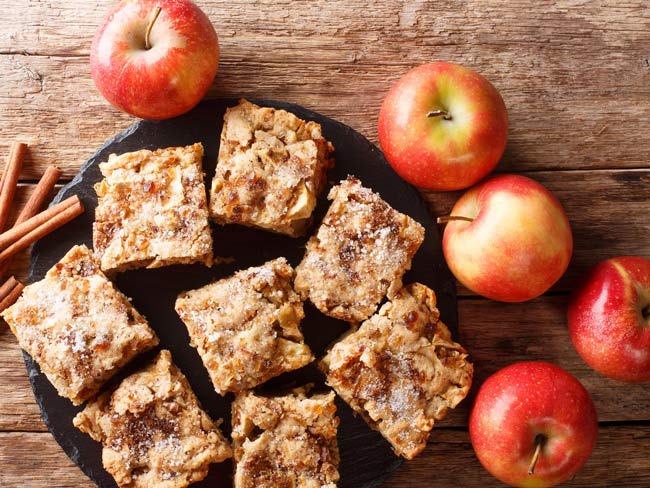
401 370
272 167
153 430
77 326
246 328
152 210
359 254
287 440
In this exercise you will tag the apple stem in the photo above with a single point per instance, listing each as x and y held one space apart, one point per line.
646 312
156 13
539 442
437 113
448 218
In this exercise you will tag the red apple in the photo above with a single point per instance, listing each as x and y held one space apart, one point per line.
155 59
514 242
533 425
443 127
609 318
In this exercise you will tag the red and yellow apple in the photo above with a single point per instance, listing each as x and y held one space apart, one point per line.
155 59
443 127
508 239
533 425
609 318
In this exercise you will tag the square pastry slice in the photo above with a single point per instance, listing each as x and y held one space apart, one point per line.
358 255
153 430
287 440
246 328
152 210
400 370
272 167
77 326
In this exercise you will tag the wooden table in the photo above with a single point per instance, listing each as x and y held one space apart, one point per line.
575 76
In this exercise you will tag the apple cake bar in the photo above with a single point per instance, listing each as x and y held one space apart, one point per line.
246 328
359 254
401 370
287 440
77 326
152 210
272 167
153 430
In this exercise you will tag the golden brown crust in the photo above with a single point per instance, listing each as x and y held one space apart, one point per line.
358 255
153 430
285 441
77 326
400 370
272 167
247 327
152 210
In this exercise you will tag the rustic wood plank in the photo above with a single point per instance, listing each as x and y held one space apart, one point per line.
34 460
607 209
18 409
449 460
494 334
499 334
575 75
52 105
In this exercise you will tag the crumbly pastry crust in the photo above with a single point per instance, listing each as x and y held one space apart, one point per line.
286 441
272 167
401 370
358 255
77 326
152 210
153 430
246 328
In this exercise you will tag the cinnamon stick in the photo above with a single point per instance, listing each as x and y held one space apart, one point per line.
36 200
41 192
18 231
7 287
2 180
10 179
38 227
9 292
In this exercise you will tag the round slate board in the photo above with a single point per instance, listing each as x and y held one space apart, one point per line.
366 459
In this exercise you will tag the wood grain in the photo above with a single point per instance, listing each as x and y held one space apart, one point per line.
607 210
575 75
36 460
499 334
447 461
18 409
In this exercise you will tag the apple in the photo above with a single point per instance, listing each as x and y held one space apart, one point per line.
155 59
609 318
443 127
508 239
533 425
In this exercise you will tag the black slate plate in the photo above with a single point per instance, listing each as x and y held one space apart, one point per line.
367 459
